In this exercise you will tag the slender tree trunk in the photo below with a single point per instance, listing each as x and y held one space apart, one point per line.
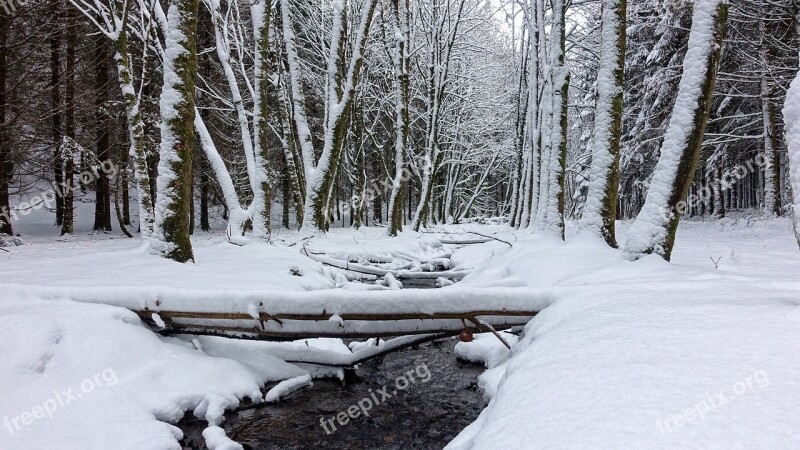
655 227
124 162
102 212
6 166
261 12
553 216
401 21
67 226
600 212
771 168
204 182
171 234
534 132
55 98
137 153
293 159
287 196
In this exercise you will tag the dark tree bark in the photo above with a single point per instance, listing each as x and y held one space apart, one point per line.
68 225
55 98
102 211
287 196
6 167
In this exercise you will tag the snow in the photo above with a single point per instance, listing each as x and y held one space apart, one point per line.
158 320
105 381
286 387
216 440
485 349
650 354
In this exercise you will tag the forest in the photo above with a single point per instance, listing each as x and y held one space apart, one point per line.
269 205
395 114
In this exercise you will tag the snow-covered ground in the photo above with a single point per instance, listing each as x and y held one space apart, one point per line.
700 352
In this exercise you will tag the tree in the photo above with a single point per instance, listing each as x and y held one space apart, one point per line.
655 227
442 28
600 211
261 12
113 20
171 234
553 124
343 75
102 210
6 166
67 154
401 23
791 116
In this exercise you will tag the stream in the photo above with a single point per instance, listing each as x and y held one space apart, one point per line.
425 415
440 400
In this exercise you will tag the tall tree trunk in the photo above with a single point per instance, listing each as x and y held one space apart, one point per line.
533 134
401 13
772 204
553 215
655 227
102 211
600 212
6 167
171 233
67 226
292 158
55 99
137 153
261 12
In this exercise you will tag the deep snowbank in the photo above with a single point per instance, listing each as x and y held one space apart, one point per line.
648 354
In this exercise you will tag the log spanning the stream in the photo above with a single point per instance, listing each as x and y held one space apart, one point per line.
288 326
287 314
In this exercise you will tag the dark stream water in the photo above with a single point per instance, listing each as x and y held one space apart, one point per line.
425 415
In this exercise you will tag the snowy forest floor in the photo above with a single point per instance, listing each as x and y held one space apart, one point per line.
701 352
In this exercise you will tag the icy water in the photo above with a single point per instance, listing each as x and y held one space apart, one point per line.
425 415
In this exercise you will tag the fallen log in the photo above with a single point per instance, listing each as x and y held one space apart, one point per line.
267 327
263 316
381 272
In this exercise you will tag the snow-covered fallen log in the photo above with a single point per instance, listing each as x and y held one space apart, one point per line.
380 327
277 303
378 271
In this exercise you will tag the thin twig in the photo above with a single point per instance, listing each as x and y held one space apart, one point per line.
491 237
484 324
